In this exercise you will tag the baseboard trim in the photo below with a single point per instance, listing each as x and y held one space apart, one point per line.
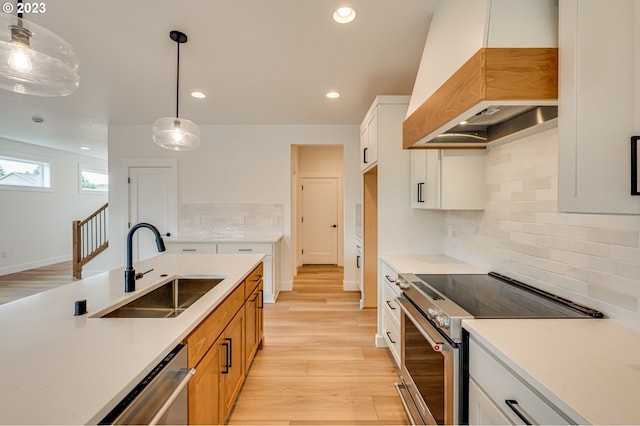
380 341
35 264
350 286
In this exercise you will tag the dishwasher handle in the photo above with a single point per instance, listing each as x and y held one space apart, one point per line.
163 409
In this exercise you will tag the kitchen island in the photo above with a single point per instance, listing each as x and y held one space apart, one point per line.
58 368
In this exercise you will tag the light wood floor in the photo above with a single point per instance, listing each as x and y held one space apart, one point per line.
25 283
319 364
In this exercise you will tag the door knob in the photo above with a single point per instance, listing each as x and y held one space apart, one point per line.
334 226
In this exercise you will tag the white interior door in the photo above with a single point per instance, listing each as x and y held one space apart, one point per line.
153 199
320 221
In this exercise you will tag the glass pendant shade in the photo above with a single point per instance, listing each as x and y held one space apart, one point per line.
34 60
176 134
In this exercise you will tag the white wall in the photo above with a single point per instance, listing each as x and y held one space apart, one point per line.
234 164
35 225
592 259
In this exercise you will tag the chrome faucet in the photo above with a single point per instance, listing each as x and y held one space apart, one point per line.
129 272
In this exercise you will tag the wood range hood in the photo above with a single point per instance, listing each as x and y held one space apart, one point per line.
499 93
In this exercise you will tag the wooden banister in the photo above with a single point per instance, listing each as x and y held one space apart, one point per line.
90 238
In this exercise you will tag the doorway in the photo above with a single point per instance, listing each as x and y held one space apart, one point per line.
317 204
319 221
152 198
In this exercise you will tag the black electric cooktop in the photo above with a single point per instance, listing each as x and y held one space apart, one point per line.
497 296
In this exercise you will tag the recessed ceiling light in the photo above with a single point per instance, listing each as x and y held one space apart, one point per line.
198 95
333 95
344 15
463 123
85 148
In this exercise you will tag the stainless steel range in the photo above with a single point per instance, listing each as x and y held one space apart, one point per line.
434 354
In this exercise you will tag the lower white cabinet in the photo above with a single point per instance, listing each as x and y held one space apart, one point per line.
448 179
390 310
271 278
497 395
271 260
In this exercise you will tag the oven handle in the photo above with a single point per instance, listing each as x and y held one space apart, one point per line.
411 312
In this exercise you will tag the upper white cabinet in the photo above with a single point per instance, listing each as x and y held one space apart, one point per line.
369 139
599 104
448 179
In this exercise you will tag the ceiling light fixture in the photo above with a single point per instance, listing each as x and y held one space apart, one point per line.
344 15
175 133
333 95
198 95
34 60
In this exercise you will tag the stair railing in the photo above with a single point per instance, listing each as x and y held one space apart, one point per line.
90 238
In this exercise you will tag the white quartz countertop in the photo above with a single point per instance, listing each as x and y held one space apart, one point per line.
57 368
588 368
234 238
430 264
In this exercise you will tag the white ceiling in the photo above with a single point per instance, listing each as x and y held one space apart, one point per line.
258 61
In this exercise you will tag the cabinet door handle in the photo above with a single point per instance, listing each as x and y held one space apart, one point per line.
358 261
245 249
634 165
255 296
189 249
394 342
420 186
257 278
364 156
226 361
261 299
230 351
392 307
513 404
389 279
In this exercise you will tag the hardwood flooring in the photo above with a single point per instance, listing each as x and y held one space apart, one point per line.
319 363
25 283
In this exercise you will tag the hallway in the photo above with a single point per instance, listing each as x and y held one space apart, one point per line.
319 364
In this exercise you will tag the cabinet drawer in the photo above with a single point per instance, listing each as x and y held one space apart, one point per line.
502 385
191 247
389 295
201 339
252 281
261 248
391 332
388 274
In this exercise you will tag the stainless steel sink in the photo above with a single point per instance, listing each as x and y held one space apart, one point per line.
167 301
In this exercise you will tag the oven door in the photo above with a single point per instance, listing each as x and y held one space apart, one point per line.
429 370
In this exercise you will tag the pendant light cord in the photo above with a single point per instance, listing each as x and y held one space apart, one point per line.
177 79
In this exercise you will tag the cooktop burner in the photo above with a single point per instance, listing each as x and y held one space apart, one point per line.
497 296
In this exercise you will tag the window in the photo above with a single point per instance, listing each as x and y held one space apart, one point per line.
92 180
21 172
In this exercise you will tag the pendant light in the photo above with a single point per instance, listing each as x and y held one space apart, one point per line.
175 133
34 60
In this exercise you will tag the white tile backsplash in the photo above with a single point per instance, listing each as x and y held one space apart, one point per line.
223 220
592 259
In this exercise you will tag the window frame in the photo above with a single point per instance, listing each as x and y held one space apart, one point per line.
47 170
83 167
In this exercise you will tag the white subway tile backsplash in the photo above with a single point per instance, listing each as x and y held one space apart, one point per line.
592 259
231 219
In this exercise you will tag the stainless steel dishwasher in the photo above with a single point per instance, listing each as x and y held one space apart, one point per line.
160 398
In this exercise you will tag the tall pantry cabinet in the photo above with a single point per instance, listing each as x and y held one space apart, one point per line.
390 225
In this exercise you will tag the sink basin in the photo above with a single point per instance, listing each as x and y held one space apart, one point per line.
167 301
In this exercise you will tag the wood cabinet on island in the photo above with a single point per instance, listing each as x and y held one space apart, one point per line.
69 354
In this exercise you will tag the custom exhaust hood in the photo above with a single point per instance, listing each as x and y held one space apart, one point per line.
489 72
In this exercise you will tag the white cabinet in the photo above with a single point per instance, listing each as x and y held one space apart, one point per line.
369 140
451 179
390 309
599 104
497 395
269 249
271 262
